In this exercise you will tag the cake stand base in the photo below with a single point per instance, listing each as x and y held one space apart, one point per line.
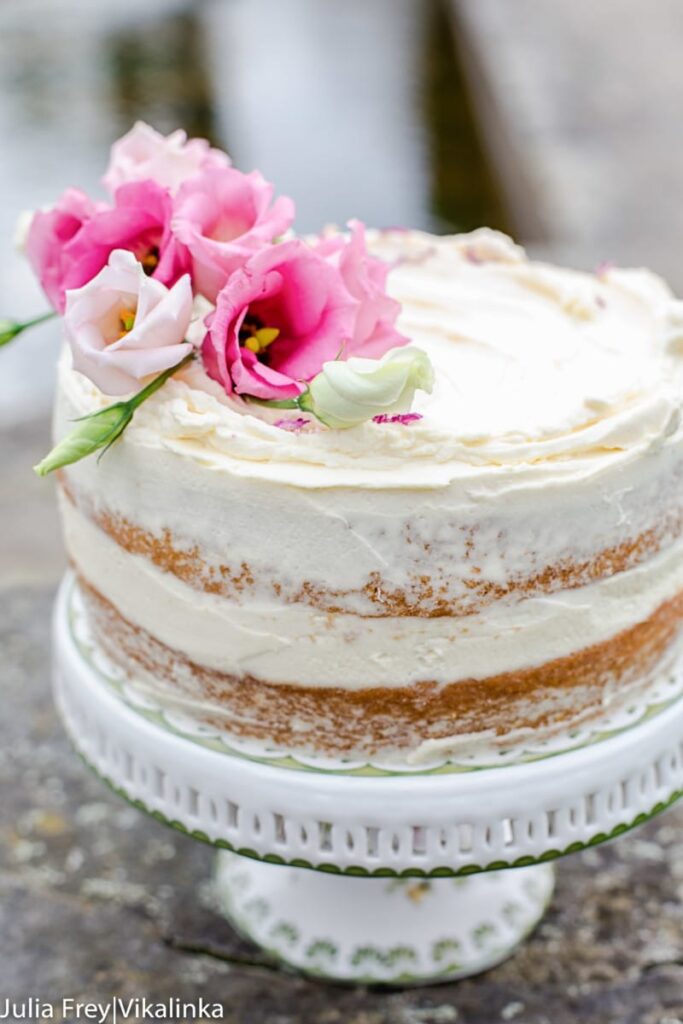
382 930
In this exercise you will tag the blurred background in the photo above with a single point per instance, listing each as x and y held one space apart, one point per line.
556 121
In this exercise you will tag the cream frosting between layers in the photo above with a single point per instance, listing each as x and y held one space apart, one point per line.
541 371
294 644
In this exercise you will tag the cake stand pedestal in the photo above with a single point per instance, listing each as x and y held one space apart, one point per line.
409 878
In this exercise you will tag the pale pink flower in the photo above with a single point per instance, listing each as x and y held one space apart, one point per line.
123 325
223 217
144 153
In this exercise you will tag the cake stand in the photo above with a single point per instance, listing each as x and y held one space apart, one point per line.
409 876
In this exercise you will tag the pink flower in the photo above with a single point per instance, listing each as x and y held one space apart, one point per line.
169 160
123 325
278 319
223 216
140 221
71 243
365 278
49 235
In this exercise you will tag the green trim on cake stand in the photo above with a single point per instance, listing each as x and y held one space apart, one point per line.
391 932
358 871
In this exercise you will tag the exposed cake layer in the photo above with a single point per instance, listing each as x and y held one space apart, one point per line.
292 643
412 722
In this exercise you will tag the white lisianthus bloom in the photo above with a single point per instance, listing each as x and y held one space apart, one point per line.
347 393
124 326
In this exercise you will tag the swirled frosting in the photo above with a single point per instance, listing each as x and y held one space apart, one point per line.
538 369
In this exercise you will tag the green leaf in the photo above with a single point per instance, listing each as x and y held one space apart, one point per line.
100 429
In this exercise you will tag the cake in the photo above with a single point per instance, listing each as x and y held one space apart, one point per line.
508 564
492 563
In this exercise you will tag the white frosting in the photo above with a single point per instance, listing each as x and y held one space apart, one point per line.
534 366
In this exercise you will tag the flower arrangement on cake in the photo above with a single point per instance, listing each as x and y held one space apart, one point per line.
192 259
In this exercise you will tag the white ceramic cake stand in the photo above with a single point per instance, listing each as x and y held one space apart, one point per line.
409 882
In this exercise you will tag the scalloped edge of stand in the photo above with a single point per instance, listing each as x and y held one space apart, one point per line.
382 872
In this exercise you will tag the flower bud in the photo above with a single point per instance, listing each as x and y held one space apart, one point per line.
98 430
347 393
8 331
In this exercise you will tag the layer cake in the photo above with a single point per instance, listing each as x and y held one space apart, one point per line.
506 565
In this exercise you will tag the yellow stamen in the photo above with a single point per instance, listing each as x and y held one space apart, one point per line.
126 320
150 260
260 338
266 336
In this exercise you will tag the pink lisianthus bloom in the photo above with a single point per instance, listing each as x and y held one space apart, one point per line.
365 277
223 217
49 236
144 153
123 325
278 319
139 221
68 245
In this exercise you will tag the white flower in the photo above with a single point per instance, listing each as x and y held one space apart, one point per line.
345 394
124 326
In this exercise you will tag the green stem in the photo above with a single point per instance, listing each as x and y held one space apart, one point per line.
273 403
10 329
302 402
50 315
136 401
